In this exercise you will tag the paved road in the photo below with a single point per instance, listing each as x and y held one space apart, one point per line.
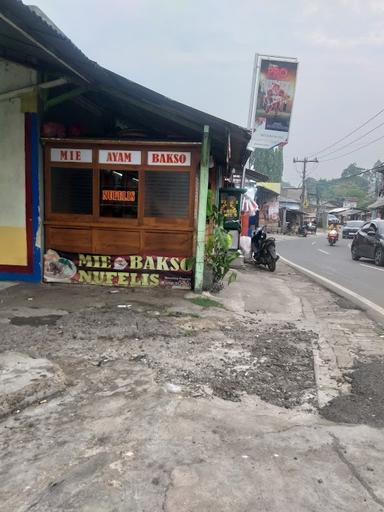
335 263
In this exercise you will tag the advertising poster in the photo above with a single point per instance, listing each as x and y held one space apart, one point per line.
274 102
132 271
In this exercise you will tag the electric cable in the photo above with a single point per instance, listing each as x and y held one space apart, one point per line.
353 141
348 134
353 151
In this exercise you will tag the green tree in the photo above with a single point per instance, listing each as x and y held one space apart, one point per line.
352 183
269 162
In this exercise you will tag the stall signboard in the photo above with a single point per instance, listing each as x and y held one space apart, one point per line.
169 158
133 271
275 90
71 155
118 195
229 203
118 157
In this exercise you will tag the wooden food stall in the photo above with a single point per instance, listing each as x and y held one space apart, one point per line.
120 213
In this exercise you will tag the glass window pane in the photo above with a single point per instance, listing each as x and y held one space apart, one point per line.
166 194
71 190
119 193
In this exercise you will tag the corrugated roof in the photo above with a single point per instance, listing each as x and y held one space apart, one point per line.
28 38
292 193
379 203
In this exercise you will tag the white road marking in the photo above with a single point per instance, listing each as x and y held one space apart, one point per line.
313 243
349 244
334 286
325 252
372 267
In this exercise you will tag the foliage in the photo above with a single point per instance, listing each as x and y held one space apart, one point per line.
206 302
269 162
210 203
350 184
218 254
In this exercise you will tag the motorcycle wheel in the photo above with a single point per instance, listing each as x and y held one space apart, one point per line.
272 266
331 242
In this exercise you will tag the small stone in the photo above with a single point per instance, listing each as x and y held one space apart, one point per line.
320 481
172 388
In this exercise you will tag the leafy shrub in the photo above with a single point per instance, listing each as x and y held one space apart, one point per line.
218 253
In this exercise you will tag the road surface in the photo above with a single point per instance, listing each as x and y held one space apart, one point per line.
313 253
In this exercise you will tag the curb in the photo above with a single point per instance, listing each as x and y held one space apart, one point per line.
373 310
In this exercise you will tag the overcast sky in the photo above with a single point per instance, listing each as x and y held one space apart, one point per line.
200 52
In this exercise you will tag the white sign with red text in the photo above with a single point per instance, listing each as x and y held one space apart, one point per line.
118 157
71 155
169 158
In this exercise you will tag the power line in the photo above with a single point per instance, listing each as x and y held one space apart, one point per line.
353 141
353 151
348 134
363 171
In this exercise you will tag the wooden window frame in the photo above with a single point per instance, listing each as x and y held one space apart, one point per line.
141 222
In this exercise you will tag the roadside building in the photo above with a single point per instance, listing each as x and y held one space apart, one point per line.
290 213
268 202
377 208
102 180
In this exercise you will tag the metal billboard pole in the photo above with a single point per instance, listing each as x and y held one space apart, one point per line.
253 89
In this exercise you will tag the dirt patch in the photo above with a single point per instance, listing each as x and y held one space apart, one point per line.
273 362
212 355
278 368
343 303
35 320
365 403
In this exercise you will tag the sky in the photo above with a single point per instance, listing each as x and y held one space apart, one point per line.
200 52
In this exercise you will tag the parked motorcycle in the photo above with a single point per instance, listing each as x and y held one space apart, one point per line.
311 227
333 236
302 231
264 249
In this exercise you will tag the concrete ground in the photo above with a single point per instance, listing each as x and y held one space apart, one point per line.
267 397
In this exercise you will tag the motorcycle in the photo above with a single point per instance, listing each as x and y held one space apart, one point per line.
264 249
311 227
333 237
302 231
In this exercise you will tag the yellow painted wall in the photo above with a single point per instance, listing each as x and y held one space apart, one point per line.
13 246
13 237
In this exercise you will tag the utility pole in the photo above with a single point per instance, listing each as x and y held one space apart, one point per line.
304 161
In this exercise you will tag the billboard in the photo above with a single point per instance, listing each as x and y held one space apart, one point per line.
272 101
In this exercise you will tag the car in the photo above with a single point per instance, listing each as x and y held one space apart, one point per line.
351 228
332 219
369 242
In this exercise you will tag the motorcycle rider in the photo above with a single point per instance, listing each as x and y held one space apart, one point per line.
333 227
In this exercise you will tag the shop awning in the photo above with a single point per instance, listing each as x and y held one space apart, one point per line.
252 175
272 187
30 38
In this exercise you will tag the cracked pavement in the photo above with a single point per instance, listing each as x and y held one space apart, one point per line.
172 407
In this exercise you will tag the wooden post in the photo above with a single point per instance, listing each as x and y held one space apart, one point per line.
202 211
284 221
